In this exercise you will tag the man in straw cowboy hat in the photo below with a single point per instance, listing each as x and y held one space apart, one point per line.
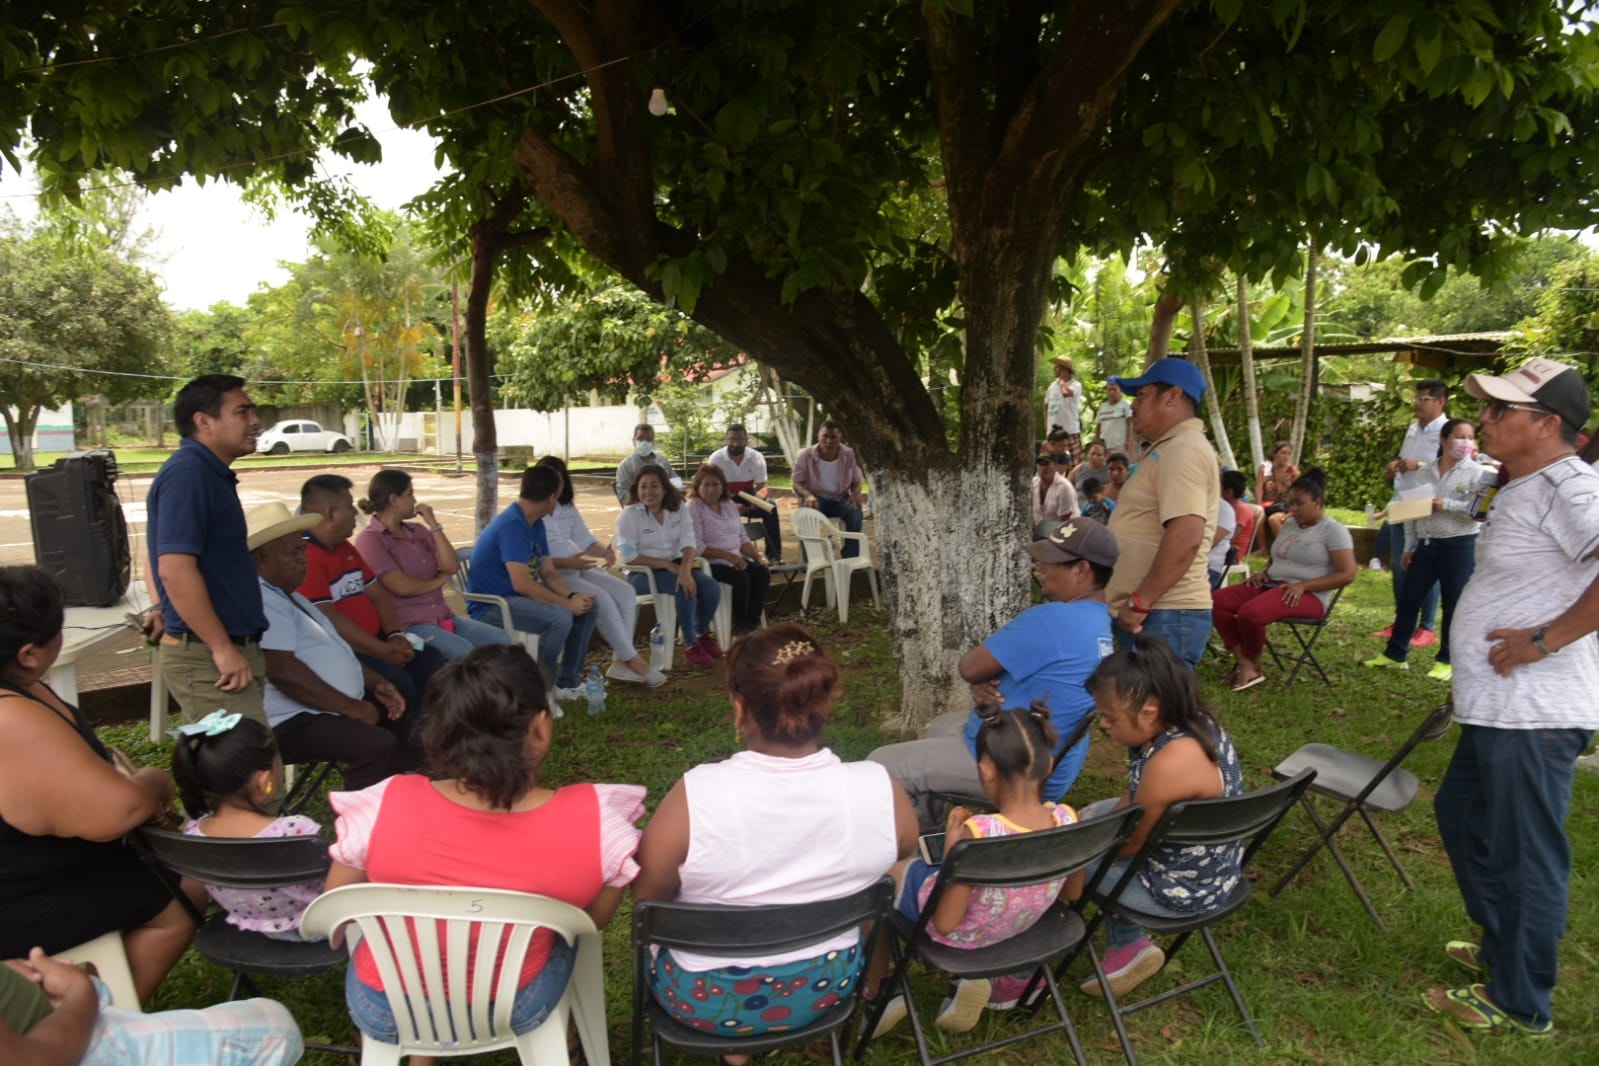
321 702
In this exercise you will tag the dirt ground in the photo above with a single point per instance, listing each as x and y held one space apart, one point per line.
120 664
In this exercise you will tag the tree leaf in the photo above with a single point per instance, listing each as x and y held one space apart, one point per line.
1391 38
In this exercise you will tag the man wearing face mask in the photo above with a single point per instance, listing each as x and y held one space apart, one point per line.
643 455
745 470
1440 549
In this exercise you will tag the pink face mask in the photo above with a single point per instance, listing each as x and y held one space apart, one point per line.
1460 448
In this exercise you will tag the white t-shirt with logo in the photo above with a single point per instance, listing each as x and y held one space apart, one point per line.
1535 557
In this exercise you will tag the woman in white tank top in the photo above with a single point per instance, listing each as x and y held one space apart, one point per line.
783 821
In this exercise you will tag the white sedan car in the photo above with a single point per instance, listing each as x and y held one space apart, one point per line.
299 435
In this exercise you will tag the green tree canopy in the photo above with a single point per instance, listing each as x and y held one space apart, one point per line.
74 321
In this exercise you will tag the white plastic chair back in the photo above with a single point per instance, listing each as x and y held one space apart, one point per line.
816 536
397 923
110 958
460 581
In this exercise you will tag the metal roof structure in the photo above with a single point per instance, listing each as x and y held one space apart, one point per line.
1446 353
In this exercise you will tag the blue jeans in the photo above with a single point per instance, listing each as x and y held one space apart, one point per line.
1429 602
369 1008
852 521
693 616
1185 632
1501 812
1442 565
563 636
469 633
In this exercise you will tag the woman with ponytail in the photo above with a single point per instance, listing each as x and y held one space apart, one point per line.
783 821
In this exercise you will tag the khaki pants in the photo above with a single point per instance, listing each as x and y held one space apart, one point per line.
191 677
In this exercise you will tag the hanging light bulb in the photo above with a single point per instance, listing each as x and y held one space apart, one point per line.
657 101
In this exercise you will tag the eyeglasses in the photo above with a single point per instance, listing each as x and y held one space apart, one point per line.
1494 410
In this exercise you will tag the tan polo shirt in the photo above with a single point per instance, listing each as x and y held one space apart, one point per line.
1178 476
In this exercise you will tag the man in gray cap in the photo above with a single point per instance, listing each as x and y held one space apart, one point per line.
1046 653
1526 666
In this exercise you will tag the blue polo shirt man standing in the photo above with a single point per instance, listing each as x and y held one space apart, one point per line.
208 617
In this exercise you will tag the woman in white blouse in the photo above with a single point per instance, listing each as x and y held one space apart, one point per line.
579 557
719 536
655 530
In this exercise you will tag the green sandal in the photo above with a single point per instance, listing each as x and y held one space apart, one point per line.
1466 954
1471 1009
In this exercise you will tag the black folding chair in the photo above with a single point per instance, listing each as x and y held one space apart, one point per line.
1004 862
1362 785
250 863
308 782
740 932
1248 819
1298 627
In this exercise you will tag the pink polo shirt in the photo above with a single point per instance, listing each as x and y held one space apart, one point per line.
413 555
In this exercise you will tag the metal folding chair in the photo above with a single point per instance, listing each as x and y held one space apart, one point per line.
735 932
1297 626
1362 785
1250 819
1004 862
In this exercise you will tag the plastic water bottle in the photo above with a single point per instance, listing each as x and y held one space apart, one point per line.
659 651
1371 512
594 691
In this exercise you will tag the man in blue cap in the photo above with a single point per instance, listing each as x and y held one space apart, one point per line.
1166 515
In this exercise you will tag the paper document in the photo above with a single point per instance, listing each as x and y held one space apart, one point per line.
755 501
1412 504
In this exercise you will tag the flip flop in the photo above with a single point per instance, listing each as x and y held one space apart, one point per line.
1466 954
1239 686
1471 1009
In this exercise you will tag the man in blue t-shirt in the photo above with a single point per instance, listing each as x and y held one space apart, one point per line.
1046 653
207 618
512 559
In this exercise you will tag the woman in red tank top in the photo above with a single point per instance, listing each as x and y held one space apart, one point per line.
482 820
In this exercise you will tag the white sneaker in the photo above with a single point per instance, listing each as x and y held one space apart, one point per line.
651 679
961 1011
555 708
1589 762
574 693
893 1013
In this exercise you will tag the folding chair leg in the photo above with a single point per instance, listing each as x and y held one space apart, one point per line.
1404 874
1232 986
1112 1006
1329 837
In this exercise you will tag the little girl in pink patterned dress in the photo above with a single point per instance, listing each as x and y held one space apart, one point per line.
1014 758
227 770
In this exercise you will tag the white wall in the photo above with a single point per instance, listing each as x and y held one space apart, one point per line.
598 431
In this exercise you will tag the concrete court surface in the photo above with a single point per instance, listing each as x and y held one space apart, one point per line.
451 496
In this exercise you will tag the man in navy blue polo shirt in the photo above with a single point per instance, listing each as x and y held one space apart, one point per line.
209 600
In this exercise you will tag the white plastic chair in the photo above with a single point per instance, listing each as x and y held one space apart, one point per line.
665 604
110 958
474 1013
816 535
459 581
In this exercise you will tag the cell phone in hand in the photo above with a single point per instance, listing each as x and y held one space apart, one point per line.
931 846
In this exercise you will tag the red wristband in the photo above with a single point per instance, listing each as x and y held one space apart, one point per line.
1133 604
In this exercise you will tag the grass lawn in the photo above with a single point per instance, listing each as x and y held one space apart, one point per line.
1325 985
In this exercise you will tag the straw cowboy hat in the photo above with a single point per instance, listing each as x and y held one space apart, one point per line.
270 521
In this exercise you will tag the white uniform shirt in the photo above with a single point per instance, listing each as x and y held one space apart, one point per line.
295 625
1421 444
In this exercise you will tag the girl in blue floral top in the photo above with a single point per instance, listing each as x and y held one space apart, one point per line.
1177 750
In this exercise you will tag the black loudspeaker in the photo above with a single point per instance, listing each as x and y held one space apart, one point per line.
79 533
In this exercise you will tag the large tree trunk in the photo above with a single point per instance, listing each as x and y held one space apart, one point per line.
19 428
1307 352
1246 361
1224 446
485 439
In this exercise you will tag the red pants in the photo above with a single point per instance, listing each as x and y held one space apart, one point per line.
1241 614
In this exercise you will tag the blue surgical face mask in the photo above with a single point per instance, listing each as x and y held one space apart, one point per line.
644 447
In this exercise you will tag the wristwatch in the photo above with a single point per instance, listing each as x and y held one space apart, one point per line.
1537 641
